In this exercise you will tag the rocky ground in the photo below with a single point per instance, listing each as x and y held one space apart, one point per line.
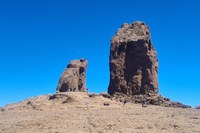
78 112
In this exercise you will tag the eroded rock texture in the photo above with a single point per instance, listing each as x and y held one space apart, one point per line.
73 77
133 61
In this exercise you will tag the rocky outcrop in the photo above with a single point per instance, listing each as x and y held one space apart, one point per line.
134 67
133 71
73 77
133 61
197 107
152 99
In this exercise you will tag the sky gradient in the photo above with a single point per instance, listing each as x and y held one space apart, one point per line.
39 37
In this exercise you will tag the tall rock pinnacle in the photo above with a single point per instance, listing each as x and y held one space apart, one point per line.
74 77
133 61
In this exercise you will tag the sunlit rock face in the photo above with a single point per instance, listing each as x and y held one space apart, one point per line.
74 77
133 61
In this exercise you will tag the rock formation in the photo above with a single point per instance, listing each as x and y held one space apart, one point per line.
73 77
133 71
133 61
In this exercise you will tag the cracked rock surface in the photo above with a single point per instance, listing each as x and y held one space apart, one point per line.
74 77
133 61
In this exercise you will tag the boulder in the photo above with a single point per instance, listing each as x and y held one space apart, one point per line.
133 61
74 77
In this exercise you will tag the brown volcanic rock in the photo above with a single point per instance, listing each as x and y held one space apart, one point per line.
149 99
134 67
73 77
133 61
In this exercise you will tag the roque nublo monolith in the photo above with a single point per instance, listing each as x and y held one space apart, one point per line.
74 77
133 61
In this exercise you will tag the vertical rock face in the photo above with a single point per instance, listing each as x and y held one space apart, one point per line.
73 77
133 61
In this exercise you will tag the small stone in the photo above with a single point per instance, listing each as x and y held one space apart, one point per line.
124 102
106 104
92 95
144 105
176 126
29 103
106 95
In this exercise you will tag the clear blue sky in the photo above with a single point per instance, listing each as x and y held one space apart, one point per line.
39 37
